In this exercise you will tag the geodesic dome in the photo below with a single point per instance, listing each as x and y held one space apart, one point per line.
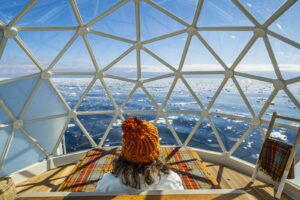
207 73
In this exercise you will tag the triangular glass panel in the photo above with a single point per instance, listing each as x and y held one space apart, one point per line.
52 130
283 105
198 58
15 62
151 67
295 90
183 124
121 22
106 50
227 44
4 133
75 140
3 117
91 9
230 130
170 49
288 24
96 99
257 61
222 13
45 94
263 9
229 101
75 59
181 99
16 93
165 135
205 86
287 57
45 45
96 125
9 9
114 137
139 101
71 88
250 148
182 9
21 154
155 23
204 138
49 13
159 89
257 92
126 67
119 89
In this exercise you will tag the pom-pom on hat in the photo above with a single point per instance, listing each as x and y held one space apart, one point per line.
140 142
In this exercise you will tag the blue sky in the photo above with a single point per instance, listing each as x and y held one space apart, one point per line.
227 44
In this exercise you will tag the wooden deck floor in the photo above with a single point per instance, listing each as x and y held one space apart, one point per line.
227 178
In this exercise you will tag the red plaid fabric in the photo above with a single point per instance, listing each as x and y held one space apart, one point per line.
273 159
97 162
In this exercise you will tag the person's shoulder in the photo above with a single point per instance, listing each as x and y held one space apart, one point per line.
173 176
171 181
104 183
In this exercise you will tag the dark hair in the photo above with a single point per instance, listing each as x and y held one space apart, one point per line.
134 175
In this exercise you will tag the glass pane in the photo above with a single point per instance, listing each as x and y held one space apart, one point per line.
45 94
181 99
295 90
45 45
288 24
170 49
250 148
106 50
119 89
205 138
159 89
4 133
75 138
205 86
75 59
155 23
96 125
15 94
287 57
96 99
222 13
139 101
121 22
262 9
114 137
3 117
150 67
198 58
49 13
257 61
230 130
257 92
52 129
9 9
91 9
229 101
15 62
22 153
227 44
165 135
71 88
126 67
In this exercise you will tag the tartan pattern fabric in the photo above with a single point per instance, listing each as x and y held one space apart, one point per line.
184 161
273 159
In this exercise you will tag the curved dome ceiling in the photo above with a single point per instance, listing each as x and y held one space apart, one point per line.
79 67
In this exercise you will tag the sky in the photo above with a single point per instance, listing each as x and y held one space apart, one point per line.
45 45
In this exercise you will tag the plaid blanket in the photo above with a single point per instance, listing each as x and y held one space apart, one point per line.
90 169
273 159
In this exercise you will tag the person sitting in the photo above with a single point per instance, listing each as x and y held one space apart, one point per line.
139 167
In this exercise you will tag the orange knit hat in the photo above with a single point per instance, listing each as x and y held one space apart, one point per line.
140 141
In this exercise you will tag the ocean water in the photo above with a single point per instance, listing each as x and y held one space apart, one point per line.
229 101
